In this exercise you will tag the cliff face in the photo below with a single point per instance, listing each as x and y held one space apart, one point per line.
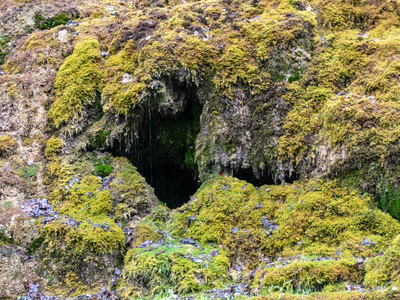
286 113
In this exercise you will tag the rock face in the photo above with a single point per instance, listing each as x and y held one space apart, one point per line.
285 112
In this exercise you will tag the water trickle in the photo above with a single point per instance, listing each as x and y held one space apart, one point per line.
159 148
150 150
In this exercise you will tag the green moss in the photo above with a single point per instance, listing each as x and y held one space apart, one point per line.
5 239
132 195
88 203
86 240
353 120
103 170
4 41
35 244
99 140
311 275
43 24
389 198
77 82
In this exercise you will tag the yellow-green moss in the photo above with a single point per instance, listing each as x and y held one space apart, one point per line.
54 146
313 218
77 82
7 144
167 268
385 269
88 205
345 106
311 275
130 190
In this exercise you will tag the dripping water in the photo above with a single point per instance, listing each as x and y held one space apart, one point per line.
150 150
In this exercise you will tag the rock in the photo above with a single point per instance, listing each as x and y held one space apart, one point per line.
189 241
126 78
146 244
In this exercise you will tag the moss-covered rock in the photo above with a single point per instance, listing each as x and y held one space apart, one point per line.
385 269
183 269
77 82
84 240
312 218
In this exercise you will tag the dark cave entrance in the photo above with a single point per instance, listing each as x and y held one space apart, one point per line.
250 177
164 150
265 177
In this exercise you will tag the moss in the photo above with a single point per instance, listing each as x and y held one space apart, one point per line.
5 239
352 121
389 198
103 170
35 244
171 268
87 202
7 144
354 295
86 240
85 237
130 190
77 82
99 140
313 218
53 148
384 269
43 24
311 275
28 172
4 41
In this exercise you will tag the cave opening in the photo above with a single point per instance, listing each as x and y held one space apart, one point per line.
164 150
265 177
